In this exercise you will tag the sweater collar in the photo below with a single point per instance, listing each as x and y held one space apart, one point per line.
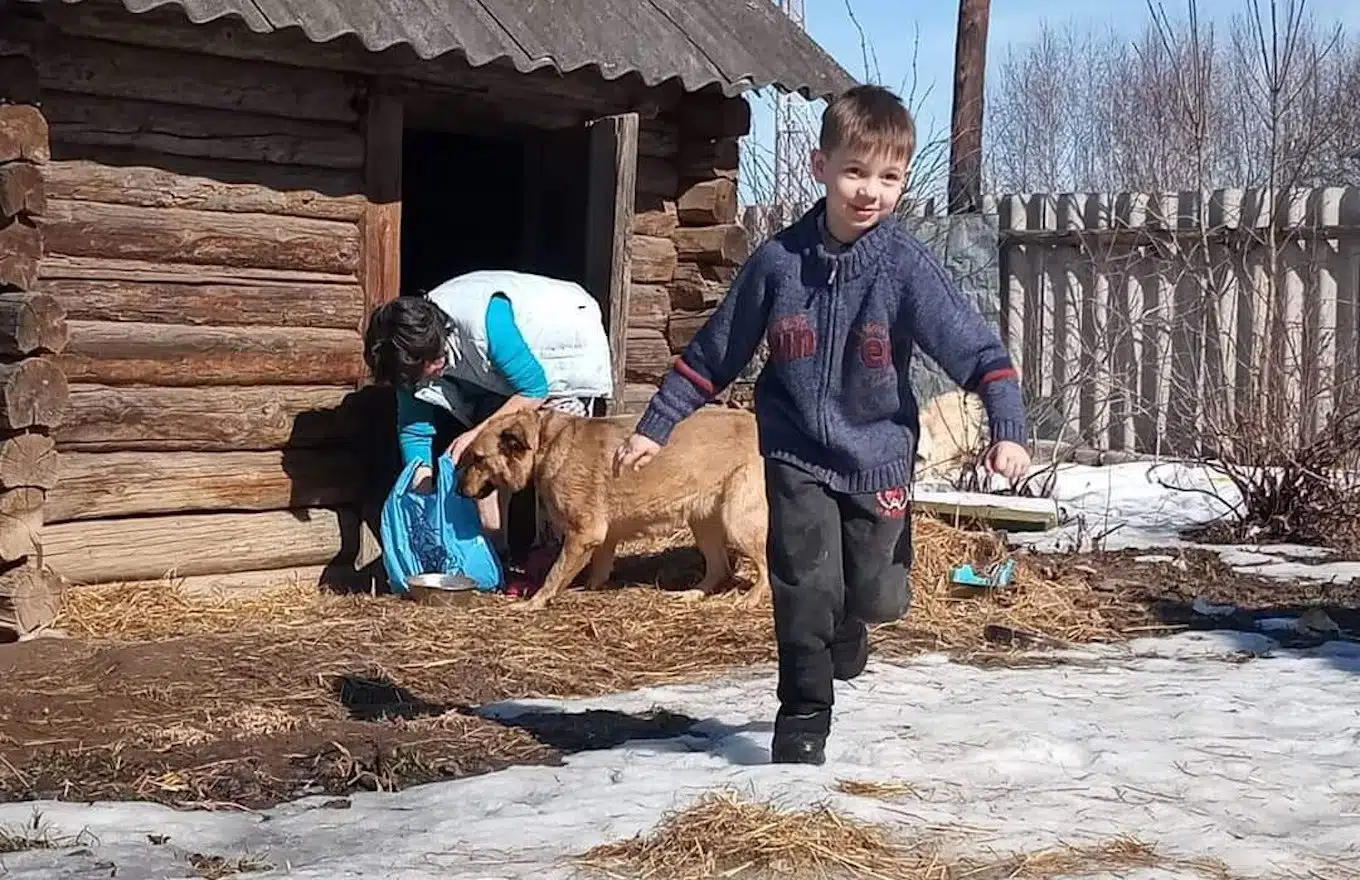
853 260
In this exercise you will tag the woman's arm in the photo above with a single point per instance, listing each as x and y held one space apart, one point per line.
415 436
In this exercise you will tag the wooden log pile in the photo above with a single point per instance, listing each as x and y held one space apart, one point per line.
687 242
33 389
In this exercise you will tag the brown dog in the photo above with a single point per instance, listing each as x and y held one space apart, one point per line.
709 476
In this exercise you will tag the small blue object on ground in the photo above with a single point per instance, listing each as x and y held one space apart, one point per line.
995 577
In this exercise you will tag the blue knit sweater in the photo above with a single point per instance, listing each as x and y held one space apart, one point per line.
835 396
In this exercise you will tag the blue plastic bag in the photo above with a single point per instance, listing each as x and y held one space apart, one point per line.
437 533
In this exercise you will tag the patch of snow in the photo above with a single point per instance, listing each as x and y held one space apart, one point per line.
1146 506
1175 740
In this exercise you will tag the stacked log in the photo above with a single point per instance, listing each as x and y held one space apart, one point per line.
687 243
203 233
33 390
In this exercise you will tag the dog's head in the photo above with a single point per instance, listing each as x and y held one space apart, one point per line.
502 456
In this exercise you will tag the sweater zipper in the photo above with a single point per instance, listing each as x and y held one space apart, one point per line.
830 350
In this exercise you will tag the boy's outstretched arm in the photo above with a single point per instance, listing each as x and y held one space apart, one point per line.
949 329
713 359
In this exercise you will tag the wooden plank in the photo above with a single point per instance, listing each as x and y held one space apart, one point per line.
28 460
23 134
61 267
129 177
708 202
18 79
33 393
658 218
998 511
126 353
197 132
21 190
383 123
209 419
649 357
20 522
706 159
714 116
653 259
148 548
965 143
173 76
683 326
186 301
21 252
693 290
29 599
609 231
657 177
31 322
725 243
96 485
245 582
91 229
649 307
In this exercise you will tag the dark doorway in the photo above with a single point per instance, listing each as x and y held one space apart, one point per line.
463 206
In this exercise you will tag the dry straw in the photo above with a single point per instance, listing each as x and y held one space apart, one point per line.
591 642
725 835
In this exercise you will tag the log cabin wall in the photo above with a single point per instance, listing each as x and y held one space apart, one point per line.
687 243
202 232
33 391
207 218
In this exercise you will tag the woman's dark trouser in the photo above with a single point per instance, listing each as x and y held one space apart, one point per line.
837 561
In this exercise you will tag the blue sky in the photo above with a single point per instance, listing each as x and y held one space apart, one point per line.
892 27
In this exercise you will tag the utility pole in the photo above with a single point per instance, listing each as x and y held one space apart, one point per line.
965 142
787 130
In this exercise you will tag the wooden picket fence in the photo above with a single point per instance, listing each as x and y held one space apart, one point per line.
1153 323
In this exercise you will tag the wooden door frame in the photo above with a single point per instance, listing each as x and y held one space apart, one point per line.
609 211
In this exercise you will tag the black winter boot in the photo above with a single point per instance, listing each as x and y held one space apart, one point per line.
800 739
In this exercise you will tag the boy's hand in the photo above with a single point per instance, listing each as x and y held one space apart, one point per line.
634 453
1010 460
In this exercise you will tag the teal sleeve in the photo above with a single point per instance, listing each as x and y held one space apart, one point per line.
509 353
415 428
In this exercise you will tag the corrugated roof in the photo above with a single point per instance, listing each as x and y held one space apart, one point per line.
735 44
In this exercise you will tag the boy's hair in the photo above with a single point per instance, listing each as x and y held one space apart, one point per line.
869 118
402 337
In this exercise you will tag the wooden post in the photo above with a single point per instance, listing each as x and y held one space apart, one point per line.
965 152
380 231
609 231
33 390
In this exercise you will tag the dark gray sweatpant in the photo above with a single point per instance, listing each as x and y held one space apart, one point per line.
837 561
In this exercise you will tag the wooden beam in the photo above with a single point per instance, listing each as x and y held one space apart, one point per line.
997 511
381 230
965 151
609 231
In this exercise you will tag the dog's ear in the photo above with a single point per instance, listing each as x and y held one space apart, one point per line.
514 439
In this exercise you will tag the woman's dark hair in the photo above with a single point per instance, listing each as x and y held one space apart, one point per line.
402 337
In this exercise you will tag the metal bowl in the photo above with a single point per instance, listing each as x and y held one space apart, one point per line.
442 589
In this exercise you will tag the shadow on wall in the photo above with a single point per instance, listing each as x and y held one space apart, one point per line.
345 459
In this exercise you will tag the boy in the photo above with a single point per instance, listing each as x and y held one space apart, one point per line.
842 296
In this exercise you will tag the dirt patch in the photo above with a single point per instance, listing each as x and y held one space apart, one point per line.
246 703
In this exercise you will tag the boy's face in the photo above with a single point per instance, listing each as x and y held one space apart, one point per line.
861 188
